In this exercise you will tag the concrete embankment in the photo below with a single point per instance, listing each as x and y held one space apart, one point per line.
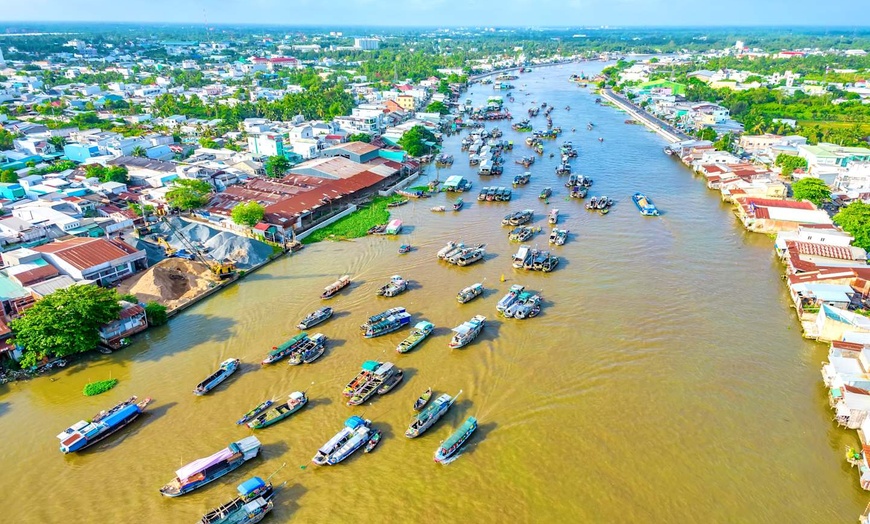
665 130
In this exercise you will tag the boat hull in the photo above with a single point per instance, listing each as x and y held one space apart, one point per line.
106 434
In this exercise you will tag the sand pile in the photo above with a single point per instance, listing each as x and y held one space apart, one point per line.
171 282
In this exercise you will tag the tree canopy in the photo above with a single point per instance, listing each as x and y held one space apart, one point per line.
64 323
789 163
248 214
413 141
188 194
855 220
813 189
360 137
276 166
107 173
437 107
155 312
8 176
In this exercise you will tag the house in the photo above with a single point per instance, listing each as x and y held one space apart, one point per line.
14 230
824 157
131 320
763 215
100 259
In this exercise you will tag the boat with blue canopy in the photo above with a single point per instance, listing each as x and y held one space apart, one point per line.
239 510
84 434
449 447
202 471
351 428
429 416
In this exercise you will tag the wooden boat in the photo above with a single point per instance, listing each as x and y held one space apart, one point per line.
518 218
593 202
553 217
457 205
520 257
429 416
357 439
276 414
377 229
381 316
522 306
469 257
558 236
418 334
396 285
522 179
482 195
604 211
394 227
509 299
391 382
365 374
449 250
397 203
545 193
86 433
314 318
247 417
503 194
603 202
250 505
227 368
423 400
373 442
469 293
333 289
464 333
563 169
439 209
521 233
404 248
202 471
285 349
578 192
645 205
372 383
387 325
352 427
449 447
308 351
454 256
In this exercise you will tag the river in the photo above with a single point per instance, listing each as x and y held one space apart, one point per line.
665 381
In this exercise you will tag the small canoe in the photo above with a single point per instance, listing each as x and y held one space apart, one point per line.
421 402
404 248
373 441
250 415
604 211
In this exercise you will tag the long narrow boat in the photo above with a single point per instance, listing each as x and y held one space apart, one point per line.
418 334
309 351
367 370
457 205
276 414
84 434
469 293
358 439
351 426
423 400
202 471
645 205
553 217
429 416
387 325
449 447
250 415
448 249
381 316
227 368
333 289
372 382
285 349
511 297
238 509
467 331
315 317
391 382
396 285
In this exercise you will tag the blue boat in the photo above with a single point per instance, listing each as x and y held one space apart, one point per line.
351 428
449 447
387 325
228 367
645 205
429 416
246 507
202 471
85 433
358 438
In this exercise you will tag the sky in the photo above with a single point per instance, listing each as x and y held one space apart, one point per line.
548 13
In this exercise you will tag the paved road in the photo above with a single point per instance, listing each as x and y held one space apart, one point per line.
650 119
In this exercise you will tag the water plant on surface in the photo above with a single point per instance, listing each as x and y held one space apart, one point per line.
100 386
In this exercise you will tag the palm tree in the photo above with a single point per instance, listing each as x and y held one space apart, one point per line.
138 151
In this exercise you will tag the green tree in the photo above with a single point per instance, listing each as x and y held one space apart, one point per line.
414 141
188 194
437 107
725 142
276 166
58 142
706 134
209 143
155 312
138 151
64 323
789 163
813 189
8 177
855 220
360 137
248 214
6 138
107 173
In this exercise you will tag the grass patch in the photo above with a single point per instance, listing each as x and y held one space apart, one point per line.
418 188
834 124
356 224
100 386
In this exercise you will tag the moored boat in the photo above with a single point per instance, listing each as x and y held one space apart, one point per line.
558 236
308 351
84 434
250 415
527 305
429 416
545 193
359 437
521 233
373 441
382 315
387 325
371 383
314 318
202 471
645 205
423 400
553 217
464 333
518 218
396 285
469 293
397 203
351 427
449 447
394 227
391 382
285 349
418 334
332 289
227 368
469 257
509 298
520 257
449 249
457 205
250 505
275 414
522 179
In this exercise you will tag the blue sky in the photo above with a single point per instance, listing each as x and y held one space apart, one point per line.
450 12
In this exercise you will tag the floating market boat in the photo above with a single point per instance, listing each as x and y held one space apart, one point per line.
308 351
541 261
373 441
202 471
227 368
522 254
394 227
84 434
545 193
285 349
558 236
423 400
503 194
276 414
429 416
351 427
381 316
314 318
418 334
482 195
526 161
332 289
470 256
397 203
457 205
469 293
387 325
593 202
521 233
553 217
439 209
449 249
527 305
467 331
518 218
522 179
377 229
563 169
404 248
449 447
372 383
250 505
391 382
358 438
578 191
396 285
509 299
250 415
645 205
365 374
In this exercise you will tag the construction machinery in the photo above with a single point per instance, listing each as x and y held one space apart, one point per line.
221 270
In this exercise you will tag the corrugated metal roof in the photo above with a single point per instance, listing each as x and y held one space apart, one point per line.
85 253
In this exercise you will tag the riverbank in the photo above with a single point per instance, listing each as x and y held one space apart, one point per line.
661 127
356 224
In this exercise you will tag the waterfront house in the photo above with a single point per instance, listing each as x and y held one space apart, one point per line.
131 320
824 158
764 215
99 259
833 322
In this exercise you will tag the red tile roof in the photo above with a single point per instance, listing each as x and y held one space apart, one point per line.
822 250
85 253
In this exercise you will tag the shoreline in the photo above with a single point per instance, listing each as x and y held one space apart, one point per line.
650 122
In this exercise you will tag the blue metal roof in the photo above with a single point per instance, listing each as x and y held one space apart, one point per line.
251 485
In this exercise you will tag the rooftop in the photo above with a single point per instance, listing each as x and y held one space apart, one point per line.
85 253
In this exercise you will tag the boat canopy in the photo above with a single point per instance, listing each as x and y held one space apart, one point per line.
370 365
355 422
464 328
251 485
459 433
287 344
384 369
423 324
297 395
117 417
241 446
